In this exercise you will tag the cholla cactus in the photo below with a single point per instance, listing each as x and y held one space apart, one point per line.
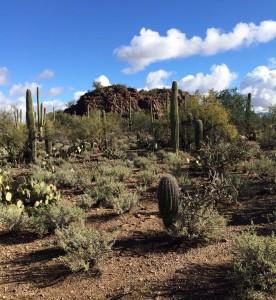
168 200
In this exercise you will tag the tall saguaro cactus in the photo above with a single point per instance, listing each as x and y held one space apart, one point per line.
174 118
198 134
30 120
247 114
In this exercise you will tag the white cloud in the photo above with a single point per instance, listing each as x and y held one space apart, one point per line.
57 104
219 79
20 89
78 94
103 80
54 91
45 74
261 83
149 46
5 103
4 74
156 79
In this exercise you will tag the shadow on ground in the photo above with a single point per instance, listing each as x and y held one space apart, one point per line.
140 243
8 238
197 282
36 267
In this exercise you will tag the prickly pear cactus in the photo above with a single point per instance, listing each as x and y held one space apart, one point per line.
168 200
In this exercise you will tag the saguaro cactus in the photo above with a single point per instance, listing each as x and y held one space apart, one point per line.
247 115
168 200
130 115
174 118
198 134
30 120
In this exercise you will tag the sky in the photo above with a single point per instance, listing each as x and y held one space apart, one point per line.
64 46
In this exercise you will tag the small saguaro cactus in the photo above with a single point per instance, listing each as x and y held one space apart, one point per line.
247 115
198 134
168 200
174 119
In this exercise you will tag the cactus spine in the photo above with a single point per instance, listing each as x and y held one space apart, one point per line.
168 200
174 118
198 134
30 120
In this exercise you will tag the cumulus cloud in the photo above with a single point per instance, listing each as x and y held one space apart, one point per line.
156 79
20 89
57 104
103 80
45 74
220 78
5 103
261 83
78 94
149 46
4 74
54 91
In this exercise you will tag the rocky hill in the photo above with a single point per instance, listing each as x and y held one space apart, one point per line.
116 98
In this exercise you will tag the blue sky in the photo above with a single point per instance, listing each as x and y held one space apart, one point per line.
63 46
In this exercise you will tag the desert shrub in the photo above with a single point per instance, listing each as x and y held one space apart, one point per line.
220 155
12 138
196 221
183 179
66 175
142 162
105 189
162 154
83 246
254 268
174 163
118 171
48 218
124 202
147 177
114 154
263 168
85 201
13 218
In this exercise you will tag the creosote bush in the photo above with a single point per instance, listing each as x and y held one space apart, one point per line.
13 218
196 221
83 246
124 202
254 268
48 218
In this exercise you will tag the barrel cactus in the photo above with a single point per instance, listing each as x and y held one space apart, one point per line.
168 200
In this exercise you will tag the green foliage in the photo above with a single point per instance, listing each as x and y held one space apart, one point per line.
147 177
235 104
83 246
12 138
168 200
46 219
255 263
13 218
124 202
219 155
196 221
